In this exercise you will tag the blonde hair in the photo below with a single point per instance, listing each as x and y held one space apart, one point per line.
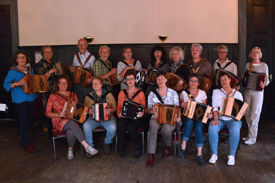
255 48
181 53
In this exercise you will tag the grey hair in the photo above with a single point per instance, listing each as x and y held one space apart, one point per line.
104 46
181 53
196 45
223 47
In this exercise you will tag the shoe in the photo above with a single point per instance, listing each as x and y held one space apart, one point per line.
122 154
201 161
182 153
30 149
177 139
166 152
89 156
107 149
250 142
245 138
150 160
137 154
70 155
31 144
91 150
213 158
231 160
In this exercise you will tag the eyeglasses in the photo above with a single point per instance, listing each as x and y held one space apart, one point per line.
175 54
222 52
63 83
157 51
130 79
21 57
104 52
47 52
195 50
194 81
256 52
127 52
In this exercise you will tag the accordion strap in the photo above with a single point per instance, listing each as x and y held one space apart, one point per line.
100 98
125 92
189 94
158 96
178 68
228 95
134 64
250 66
109 68
30 70
63 96
195 71
219 65
79 60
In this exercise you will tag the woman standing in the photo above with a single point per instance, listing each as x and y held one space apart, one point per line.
55 111
24 103
253 97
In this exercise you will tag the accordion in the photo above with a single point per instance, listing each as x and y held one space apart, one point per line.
174 80
252 80
113 80
152 76
234 78
62 69
197 111
75 111
140 78
166 114
233 107
35 84
99 112
81 76
131 109
205 84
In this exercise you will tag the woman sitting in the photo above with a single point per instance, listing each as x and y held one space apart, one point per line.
100 95
193 93
220 122
164 95
126 124
55 111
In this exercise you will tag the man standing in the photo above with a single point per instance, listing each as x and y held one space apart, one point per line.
83 59
103 67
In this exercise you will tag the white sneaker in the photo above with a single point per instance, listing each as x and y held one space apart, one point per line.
250 141
70 155
231 160
213 158
91 150
245 138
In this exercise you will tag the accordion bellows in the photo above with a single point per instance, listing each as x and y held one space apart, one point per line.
131 109
81 76
99 112
197 111
35 84
75 111
252 80
173 80
113 80
166 114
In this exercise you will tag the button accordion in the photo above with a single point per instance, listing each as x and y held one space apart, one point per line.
205 84
75 111
252 80
140 78
62 69
99 112
152 76
234 78
131 109
113 80
233 107
35 84
174 80
81 76
166 114
197 111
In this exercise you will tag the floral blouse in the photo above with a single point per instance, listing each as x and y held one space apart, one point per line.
55 104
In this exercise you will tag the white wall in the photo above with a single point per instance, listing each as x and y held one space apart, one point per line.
62 22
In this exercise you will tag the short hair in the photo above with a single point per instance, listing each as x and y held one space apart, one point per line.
83 40
161 73
104 46
196 45
64 76
196 76
225 74
256 48
181 53
98 78
158 48
15 56
223 47
43 48
129 73
126 48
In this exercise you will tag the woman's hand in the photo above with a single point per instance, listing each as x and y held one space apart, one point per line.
154 110
52 70
262 84
215 122
120 116
140 114
84 116
210 115
108 111
21 82
145 71
184 104
237 87
113 71
179 118
130 67
90 111
147 80
62 114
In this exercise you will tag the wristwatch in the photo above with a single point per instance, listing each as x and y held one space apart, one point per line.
14 84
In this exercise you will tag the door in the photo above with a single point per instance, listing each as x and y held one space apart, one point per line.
260 32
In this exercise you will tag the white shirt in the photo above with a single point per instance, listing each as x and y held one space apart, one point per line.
217 99
231 68
200 97
88 65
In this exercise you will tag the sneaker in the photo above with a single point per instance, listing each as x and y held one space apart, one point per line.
89 156
91 150
182 153
250 142
231 160
201 161
70 155
213 158
107 149
245 138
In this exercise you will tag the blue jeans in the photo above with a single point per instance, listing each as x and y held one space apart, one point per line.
90 124
234 128
189 123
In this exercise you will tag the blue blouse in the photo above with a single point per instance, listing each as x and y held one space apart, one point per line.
17 94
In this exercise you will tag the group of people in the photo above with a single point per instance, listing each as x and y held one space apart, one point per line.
100 91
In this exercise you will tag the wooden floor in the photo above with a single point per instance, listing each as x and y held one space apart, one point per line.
255 163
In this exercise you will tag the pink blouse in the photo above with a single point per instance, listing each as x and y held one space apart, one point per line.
55 105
